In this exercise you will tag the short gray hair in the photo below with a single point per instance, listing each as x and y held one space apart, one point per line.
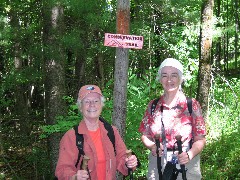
79 102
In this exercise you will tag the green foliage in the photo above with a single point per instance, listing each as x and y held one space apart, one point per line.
224 107
220 158
39 161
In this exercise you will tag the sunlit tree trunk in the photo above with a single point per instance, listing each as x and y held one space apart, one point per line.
226 36
218 43
204 80
54 73
237 22
121 70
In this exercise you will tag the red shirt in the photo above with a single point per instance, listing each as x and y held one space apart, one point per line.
101 164
176 121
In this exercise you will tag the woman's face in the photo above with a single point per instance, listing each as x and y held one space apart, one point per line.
91 107
170 79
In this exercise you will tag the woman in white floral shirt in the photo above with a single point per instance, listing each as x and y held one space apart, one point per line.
170 118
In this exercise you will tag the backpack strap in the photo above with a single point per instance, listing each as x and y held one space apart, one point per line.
110 133
189 105
79 144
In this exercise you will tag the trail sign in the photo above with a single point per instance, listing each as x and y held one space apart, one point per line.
123 41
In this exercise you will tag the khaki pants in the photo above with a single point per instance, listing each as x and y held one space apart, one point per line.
193 168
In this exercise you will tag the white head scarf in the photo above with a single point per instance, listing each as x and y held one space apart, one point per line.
173 63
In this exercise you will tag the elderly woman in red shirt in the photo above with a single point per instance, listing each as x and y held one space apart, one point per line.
103 162
171 118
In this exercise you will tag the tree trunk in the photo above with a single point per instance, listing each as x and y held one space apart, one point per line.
1 139
20 93
100 69
218 43
79 71
121 69
54 74
226 38
236 46
204 81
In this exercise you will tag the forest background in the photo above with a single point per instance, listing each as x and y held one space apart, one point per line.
50 48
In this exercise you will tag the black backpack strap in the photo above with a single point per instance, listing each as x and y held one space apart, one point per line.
79 144
110 133
154 104
189 105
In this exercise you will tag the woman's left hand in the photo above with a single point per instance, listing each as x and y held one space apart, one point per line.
197 147
183 158
131 161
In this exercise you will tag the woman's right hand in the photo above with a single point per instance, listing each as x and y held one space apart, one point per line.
150 144
80 175
154 150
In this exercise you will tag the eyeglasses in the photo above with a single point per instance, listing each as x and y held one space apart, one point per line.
94 102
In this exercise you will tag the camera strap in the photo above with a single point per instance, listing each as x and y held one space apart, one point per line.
163 134
159 163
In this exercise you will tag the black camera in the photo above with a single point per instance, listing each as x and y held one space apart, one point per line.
170 172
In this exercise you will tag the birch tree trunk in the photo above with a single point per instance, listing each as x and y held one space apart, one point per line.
204 80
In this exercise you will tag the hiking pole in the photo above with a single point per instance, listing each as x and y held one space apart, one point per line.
130 171
85 164
179 144
159 166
